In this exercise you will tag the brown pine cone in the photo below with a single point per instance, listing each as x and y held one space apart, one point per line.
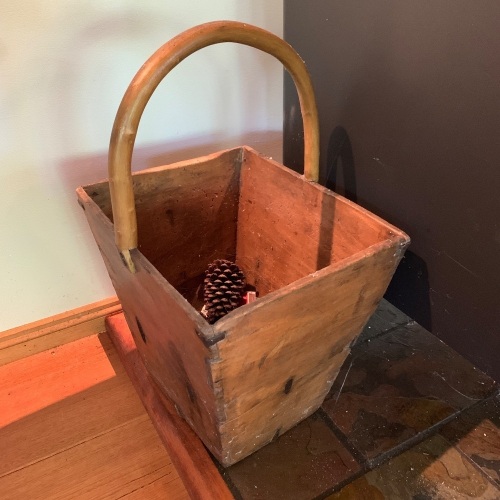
224 287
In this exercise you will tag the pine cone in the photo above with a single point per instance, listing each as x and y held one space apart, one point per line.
224 288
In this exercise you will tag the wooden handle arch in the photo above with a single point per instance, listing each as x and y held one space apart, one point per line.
151 74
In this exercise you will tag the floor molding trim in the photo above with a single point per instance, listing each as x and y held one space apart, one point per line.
22 341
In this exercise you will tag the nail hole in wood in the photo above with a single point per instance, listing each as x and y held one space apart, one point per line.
170 216
276 434
288 385
191 393
141 330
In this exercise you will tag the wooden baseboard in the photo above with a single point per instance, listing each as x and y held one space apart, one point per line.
23 341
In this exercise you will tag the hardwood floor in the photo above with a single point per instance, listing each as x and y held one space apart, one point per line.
72 426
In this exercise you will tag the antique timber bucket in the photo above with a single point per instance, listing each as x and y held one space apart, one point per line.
320 264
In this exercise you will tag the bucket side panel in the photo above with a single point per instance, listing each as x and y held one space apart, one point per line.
279 358
167 331
289 227
186 213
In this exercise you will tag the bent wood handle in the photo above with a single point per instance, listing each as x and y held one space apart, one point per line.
150 75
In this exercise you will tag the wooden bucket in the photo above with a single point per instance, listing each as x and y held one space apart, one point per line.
320 263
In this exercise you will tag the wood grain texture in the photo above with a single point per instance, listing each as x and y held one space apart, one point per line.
26 340
288 228
193 462
280 355
320 263
72 426
38 387
107 466
188 208
152 73
170 335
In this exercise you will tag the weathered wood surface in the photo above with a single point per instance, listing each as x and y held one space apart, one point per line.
171 336
188 208
269 364
196 468
289 228
266 367
280 355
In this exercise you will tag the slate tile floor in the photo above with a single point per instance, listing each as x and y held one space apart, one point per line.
407 418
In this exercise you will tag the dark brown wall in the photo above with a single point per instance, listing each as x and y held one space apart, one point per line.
409 102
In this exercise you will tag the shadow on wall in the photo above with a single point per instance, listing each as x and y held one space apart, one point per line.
115 41
231 94
126 29
340 153
87 169
409 289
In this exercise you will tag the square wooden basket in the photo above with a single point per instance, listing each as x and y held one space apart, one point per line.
320 263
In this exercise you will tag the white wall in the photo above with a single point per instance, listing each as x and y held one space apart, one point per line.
64 65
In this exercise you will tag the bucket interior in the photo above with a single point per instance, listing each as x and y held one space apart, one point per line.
240 206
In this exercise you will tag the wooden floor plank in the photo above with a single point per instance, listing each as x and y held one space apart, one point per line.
156 490
74 420
31 384
107 466
72 426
